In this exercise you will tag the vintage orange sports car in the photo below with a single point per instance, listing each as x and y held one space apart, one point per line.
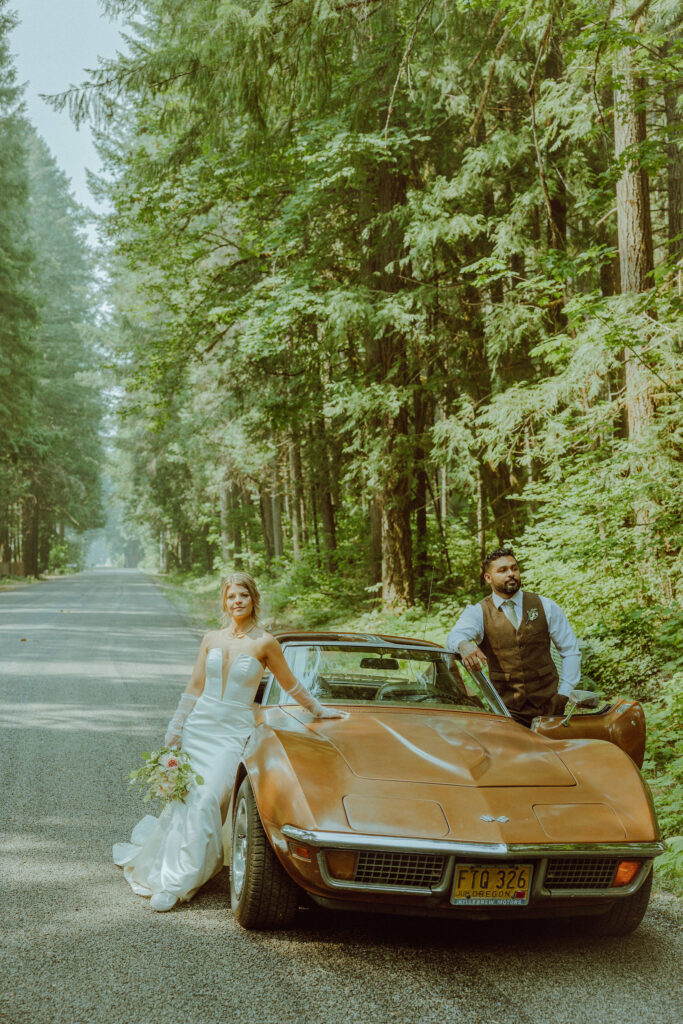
427 798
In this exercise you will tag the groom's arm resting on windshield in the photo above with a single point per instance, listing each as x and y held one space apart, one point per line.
465 637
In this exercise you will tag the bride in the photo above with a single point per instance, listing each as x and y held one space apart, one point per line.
170 857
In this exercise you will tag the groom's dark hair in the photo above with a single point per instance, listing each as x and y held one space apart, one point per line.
498 553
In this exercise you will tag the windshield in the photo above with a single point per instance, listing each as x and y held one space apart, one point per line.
341 674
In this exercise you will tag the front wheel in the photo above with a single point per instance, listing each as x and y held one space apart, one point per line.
625 914
262 895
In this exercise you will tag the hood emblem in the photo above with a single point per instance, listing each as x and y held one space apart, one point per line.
489 817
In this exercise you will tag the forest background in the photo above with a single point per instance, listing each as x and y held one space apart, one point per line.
386 285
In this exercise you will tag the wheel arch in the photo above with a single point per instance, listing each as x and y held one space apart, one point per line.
279 795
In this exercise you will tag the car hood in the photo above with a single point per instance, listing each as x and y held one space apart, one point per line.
440 748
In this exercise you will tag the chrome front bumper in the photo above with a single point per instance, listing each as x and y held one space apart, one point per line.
456 850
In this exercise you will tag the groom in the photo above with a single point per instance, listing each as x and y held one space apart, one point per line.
510 631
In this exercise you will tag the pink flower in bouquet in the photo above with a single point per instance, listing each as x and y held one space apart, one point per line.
166 775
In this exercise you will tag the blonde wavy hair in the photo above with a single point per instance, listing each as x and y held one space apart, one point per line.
241 579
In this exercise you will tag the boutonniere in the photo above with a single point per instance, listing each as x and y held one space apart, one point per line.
532 614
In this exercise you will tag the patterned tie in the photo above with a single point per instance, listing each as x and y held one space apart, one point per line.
511 612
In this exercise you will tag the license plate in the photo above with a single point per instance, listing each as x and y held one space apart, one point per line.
491 885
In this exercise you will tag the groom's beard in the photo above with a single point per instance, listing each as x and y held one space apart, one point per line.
512 586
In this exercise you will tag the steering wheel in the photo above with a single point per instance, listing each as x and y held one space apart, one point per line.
459 700
388 688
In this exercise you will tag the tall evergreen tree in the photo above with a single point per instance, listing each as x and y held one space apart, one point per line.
17 305
61 449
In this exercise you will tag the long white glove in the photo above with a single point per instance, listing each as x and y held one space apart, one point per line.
174 732
303 697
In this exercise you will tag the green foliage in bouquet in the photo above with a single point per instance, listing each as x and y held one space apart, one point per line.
166 774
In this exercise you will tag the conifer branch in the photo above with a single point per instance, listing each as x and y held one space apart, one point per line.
557 240
640 11
636 354
402 65
489 32
497 54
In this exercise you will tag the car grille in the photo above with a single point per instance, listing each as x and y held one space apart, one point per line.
580 872
416 870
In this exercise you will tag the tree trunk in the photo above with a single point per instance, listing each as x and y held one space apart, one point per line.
314 518
224 504
674 179
276 513
208 549
440 520
163 552
375 542
421 411
385 359
247 506
266 509
5 550
323 494
296 482
397 570
633 192
326 506
300 488
481 518
634 224
185 551
45 535
498 490
30 521
554 70
421 554
236 518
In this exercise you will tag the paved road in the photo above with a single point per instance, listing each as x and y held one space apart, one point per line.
91 668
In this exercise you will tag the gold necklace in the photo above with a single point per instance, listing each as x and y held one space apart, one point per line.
240 636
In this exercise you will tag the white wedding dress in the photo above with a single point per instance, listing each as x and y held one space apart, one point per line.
182 849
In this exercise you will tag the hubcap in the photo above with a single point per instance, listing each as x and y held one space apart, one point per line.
239 848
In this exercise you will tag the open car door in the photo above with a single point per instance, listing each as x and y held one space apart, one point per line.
621 723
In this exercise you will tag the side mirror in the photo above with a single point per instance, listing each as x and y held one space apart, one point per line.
580 699
584 698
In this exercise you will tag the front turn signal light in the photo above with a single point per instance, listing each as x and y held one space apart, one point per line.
341 864
626 872
299 851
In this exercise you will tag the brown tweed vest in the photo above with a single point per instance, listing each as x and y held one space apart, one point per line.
520 665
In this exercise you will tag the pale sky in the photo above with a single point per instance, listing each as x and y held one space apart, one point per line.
55 41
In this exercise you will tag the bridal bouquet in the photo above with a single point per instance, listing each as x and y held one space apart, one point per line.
166 774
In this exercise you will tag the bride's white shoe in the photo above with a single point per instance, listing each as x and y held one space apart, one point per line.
163 901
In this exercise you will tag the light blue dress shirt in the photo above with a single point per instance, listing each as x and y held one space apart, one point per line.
470 626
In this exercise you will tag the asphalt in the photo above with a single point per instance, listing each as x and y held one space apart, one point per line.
90 669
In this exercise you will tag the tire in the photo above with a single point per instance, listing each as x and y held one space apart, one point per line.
262 895
624 916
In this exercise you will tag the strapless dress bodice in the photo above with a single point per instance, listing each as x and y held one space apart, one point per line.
241 685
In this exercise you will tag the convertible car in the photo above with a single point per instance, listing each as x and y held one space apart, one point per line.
427 798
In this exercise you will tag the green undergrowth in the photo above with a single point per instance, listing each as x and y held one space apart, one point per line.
195 596
10 582
326 605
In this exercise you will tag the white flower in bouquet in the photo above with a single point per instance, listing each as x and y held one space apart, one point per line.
167 775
